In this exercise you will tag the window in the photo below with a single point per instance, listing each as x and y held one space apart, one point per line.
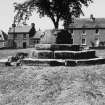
83 32
97 31
83 41
24 35
36 41
14 36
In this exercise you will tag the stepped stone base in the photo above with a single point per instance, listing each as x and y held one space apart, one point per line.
43 62
61 55
94 61
57 47
74 54
48 54
42 54
60 62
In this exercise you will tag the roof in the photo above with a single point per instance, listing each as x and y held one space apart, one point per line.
20 29
88 23
3 35
38 35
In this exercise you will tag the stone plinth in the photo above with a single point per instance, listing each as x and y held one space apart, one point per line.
74 54
62 55
58 47
42 54
61 51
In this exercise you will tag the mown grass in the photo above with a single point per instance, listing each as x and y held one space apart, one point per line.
4 53
82 85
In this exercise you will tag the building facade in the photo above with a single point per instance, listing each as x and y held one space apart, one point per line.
88 32
19 36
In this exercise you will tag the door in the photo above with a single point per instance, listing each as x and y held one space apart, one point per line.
24 45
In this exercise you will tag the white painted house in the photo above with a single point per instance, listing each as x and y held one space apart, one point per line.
3 39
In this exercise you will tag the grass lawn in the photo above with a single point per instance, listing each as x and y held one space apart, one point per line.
4 53
81 85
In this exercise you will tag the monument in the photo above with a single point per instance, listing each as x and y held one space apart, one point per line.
57 49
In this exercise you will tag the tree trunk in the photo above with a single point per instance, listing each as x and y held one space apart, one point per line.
56 24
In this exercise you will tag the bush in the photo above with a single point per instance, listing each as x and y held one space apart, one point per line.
64 37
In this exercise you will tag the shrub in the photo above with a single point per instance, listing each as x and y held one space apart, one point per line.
64 37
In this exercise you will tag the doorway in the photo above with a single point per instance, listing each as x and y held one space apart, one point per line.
24 45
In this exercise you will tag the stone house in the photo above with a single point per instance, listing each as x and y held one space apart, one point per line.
85 32
36 38
3 39
88 31
20 36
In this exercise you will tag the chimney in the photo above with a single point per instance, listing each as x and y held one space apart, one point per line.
92 17
33 25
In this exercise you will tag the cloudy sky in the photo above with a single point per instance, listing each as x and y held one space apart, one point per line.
7 13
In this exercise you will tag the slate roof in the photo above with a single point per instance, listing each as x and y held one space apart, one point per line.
20 29
88 23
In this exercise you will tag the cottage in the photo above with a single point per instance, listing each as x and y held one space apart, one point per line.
3 39
19 36
88 31
36 38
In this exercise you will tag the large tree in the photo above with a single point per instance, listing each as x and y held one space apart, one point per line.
56 10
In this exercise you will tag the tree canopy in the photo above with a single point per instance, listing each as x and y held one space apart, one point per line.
56 10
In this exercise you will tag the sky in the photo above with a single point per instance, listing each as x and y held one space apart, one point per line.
7 13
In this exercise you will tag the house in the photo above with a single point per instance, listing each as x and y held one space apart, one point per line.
19 36
3 39
88 31
36 38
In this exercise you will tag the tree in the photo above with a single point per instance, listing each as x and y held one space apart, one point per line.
64 37
56 10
